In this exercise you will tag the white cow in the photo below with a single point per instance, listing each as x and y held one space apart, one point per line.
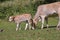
22 17
43 11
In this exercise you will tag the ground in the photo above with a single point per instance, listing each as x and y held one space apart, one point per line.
9 32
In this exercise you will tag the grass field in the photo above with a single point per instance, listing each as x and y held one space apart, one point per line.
9 32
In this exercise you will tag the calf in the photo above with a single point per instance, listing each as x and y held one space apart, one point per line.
20 18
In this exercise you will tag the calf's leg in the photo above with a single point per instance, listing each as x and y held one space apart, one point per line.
17 26
26 26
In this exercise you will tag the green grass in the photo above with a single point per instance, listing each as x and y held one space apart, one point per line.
9 32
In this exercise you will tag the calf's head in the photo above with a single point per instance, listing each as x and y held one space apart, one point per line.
11 18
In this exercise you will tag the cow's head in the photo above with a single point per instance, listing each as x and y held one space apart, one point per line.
11 18
36 19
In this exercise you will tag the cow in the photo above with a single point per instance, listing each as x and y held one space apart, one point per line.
43 11
25 17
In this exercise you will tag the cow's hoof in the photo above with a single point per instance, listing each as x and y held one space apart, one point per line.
58 28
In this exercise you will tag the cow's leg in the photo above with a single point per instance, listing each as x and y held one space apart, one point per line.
46 19
58 26
17 26
43 18
26 26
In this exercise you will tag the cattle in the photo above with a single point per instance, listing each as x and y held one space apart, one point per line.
43 11
25 17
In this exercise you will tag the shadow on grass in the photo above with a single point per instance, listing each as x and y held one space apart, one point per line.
46 27
51 27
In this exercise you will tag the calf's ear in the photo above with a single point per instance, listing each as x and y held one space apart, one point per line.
13 17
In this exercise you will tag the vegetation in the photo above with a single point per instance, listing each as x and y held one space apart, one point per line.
14 7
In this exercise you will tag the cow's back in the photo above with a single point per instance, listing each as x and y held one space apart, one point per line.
48 8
